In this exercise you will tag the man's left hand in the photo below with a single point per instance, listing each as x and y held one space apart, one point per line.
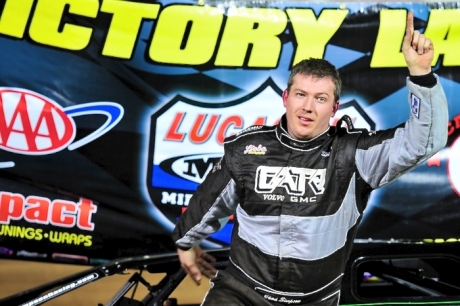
418 49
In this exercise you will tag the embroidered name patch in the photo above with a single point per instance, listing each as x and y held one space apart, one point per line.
415 105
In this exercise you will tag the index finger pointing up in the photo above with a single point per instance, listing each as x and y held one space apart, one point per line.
410 22
409 30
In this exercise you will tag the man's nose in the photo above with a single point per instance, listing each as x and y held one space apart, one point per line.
308 104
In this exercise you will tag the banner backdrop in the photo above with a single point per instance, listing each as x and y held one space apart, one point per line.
112 112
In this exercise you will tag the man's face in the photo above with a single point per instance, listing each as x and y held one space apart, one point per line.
309 106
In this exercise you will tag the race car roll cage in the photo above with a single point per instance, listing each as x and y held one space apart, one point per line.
434 280
159 263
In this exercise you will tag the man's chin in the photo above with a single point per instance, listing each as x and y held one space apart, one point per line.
304 136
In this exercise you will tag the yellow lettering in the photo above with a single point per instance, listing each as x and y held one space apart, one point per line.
186 35
38 234
88 241
47 26
14 17
126 22
55 237
443 29
387 50
73 239
21 231
252 27
65 238
81 239
29 233
8 230
313 34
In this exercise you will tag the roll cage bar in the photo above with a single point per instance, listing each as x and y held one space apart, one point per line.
159 263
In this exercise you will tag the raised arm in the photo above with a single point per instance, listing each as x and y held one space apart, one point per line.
383 157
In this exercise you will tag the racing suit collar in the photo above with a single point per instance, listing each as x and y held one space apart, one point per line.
286 139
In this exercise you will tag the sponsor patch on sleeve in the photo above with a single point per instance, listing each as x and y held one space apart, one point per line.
415 105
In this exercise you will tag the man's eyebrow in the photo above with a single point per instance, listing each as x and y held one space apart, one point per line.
304 91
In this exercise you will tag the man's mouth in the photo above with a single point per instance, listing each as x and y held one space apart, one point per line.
305 119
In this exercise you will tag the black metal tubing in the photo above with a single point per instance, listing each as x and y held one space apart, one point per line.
158 263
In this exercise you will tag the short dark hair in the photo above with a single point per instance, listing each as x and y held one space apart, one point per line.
319 68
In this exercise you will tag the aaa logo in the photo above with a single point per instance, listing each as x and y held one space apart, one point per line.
33 124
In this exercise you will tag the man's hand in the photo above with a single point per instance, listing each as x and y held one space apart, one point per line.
417 49
195 262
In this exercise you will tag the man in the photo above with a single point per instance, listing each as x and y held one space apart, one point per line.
299 188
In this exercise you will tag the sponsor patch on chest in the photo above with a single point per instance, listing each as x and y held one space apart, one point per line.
256 150
295 181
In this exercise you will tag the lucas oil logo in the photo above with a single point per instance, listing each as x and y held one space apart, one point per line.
187 141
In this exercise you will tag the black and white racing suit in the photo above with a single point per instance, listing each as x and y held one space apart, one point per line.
298 203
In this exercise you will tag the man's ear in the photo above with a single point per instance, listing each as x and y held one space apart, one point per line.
285 96
335 108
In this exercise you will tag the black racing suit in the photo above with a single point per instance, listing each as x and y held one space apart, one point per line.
298 203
